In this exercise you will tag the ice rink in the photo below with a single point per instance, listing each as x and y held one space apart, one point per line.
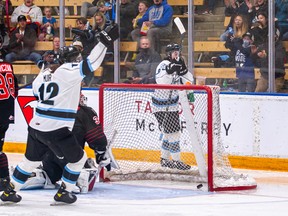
159 199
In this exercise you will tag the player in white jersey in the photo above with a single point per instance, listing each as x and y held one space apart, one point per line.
172 70
58 93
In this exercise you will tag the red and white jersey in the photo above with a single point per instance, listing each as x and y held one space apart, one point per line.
8 93
58 93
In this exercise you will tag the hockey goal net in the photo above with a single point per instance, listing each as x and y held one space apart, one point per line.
127 113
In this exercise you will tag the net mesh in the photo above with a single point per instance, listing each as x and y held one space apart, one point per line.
142 136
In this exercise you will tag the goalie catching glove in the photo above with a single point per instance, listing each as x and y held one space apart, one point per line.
109 35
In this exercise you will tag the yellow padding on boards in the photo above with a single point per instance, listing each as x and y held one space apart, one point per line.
242 162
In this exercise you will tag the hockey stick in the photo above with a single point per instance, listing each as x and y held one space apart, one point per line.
174 79
109 153
24 86
200 159
181 29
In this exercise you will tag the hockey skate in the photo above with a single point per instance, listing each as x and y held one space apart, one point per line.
167 163
180 165
63 196
9 195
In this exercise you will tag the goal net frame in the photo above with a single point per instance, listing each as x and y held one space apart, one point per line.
210 99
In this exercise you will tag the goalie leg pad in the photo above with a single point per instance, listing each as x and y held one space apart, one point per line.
87 180
38 180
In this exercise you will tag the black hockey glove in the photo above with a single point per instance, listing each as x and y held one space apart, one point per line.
103 160
174 66
109 35
82 33
183 69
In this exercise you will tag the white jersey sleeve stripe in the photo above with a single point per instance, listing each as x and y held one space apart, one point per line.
90 65
81 69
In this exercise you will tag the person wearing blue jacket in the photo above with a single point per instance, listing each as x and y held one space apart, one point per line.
158 21
244 55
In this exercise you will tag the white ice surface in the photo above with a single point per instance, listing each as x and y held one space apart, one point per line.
139 198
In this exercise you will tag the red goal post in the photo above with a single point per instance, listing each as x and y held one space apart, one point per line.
128 111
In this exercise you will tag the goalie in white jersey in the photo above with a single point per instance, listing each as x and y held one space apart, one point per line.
58 92
172 70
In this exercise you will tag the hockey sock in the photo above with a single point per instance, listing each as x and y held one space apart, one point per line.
165 153
23 171
4 171
71 173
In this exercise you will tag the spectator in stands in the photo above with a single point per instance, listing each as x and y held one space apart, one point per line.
158 18
237 7
3 30
146 63
142 8
127 14
227 3
32 13
22 43
51 56
48 25
260 29
210 7
281 14
237 29
89 9
243 52
262 53
78 45
259 6
105 8
99 24
83 32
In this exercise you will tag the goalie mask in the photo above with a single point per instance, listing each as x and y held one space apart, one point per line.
83 100
69 54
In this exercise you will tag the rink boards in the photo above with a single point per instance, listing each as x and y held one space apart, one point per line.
253 129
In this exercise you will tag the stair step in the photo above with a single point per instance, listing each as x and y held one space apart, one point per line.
209 18
209 25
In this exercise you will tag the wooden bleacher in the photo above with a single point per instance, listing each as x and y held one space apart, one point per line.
205 69
77 3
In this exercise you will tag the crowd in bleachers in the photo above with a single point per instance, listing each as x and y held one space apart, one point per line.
246 35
